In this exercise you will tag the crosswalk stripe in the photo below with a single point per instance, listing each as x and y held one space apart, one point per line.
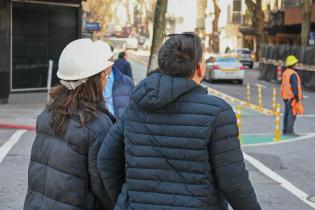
279 179
7 146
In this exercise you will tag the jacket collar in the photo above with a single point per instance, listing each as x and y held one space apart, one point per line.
117 74
158 90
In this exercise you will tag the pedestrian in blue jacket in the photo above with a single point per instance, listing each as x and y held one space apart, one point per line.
176 147
118 92
123 65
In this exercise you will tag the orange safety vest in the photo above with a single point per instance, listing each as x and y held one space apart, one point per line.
286 90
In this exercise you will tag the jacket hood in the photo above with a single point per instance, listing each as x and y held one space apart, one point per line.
158 90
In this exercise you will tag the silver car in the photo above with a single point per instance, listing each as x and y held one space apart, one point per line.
224 68
244 55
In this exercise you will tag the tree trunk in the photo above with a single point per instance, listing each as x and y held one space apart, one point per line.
215 41
306 21
127 5
158 33
201 16
255 10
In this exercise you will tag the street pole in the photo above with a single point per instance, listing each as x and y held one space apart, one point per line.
49 77
248 94
277 130
259 97
274 100
239 121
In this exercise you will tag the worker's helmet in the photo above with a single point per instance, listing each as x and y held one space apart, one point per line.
83 58
291 61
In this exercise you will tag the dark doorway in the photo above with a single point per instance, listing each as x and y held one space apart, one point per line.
39 33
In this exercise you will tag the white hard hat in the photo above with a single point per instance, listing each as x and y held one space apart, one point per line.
105 48
81 59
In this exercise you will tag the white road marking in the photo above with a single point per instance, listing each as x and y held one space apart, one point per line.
7 146
279 179
306 115
308 136
257 134
304 96
302 115
263 86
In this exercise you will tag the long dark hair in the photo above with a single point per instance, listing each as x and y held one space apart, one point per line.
82 104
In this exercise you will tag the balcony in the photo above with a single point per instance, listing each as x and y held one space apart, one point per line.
246 27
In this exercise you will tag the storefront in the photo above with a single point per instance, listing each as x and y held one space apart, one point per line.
32 32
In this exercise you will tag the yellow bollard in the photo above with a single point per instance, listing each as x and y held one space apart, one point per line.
277 130
259 98
248 94
239 122
274 100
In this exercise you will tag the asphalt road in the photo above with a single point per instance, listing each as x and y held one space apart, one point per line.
293 160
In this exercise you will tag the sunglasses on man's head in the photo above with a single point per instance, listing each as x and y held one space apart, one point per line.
184 33
193 34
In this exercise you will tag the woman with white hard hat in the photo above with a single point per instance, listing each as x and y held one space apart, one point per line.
63 172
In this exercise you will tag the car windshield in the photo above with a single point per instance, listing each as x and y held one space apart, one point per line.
224 59
247 52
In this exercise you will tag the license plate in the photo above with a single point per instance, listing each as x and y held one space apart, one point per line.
230 70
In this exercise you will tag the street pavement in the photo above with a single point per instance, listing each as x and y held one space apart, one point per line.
292 160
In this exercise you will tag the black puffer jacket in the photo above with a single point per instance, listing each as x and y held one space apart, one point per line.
62 173
176 148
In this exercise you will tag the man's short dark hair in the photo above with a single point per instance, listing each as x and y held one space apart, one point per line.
122 54
180 54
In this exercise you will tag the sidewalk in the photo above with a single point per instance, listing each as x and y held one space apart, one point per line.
24 108
19 115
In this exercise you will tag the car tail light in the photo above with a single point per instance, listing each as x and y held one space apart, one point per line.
216 67
243 68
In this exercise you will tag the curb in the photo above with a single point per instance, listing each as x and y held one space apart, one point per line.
253 107
16 126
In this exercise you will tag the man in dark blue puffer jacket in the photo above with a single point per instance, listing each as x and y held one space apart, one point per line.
176 147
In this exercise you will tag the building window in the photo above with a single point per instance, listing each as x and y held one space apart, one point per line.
237 5
236 15
236 18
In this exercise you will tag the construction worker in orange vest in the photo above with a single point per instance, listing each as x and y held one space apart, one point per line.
291 92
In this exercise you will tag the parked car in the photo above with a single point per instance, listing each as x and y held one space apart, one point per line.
224 68
244 55
132 43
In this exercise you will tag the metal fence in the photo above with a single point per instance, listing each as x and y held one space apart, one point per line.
272 57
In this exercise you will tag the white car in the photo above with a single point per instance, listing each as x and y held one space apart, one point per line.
225 68
132 43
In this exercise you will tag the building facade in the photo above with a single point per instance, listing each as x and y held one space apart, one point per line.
32 32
